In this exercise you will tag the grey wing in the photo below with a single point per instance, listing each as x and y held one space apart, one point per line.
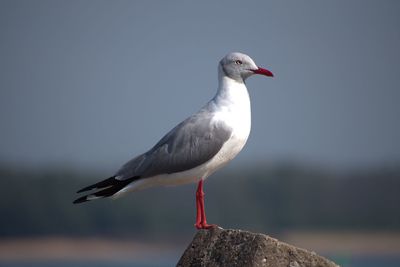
191 143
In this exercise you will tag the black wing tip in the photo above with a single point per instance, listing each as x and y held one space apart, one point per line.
107 188
80 200
105 183
84 189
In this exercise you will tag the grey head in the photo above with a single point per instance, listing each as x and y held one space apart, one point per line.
239 67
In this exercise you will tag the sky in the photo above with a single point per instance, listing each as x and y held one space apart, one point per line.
90 84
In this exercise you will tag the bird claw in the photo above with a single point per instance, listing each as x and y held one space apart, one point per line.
205 226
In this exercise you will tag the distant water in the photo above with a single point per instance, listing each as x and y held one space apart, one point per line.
367 261
86 264
364 261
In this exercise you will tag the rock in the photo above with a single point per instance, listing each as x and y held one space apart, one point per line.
220 247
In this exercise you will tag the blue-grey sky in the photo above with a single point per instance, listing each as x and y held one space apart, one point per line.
92 83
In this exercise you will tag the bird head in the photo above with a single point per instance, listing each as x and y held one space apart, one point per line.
239 67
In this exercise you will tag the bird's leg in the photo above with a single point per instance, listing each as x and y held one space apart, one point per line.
198 209
201 221
200 205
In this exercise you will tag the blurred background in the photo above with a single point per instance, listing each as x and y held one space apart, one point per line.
87 85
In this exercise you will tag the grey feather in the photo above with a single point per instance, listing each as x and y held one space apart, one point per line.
191 143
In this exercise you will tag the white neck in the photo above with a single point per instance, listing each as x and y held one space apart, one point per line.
231 94
231 104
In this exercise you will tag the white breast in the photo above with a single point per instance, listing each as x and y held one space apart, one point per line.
233 108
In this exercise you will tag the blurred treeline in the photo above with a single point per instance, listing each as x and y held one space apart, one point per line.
262 198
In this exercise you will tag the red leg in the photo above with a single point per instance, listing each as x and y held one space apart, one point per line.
198 209
201 221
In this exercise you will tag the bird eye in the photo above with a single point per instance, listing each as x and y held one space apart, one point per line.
238 62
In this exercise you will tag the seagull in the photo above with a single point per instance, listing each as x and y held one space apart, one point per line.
196 147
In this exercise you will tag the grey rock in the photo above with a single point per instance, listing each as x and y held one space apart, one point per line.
220 247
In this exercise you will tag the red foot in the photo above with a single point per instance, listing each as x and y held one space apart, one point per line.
205 226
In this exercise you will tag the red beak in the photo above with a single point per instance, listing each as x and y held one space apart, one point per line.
263 72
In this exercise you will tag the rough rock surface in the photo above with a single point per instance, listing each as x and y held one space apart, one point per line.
220 247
